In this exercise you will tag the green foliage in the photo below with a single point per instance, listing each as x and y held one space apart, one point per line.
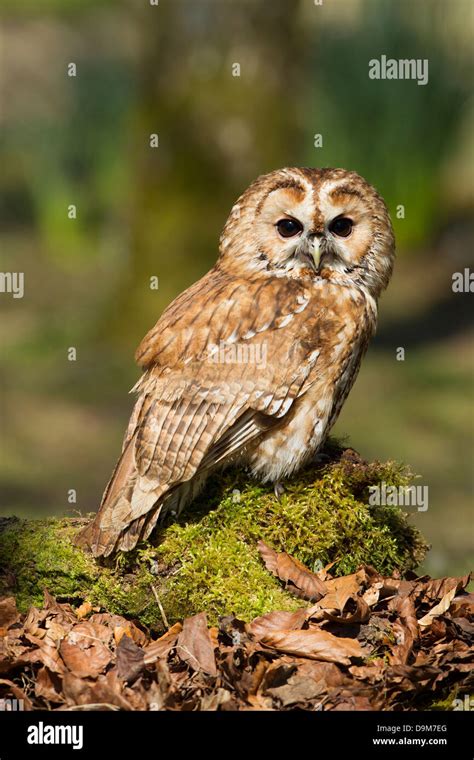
208 560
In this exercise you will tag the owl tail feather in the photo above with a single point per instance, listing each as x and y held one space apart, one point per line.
128 514
103 532
105 541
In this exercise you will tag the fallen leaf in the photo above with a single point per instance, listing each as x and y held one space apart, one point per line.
130 659
55 630
17 693
276 621
194 645
405 628
340 590
84 650
33 621
83 610
47 654
162 646
216 700
298 579
107 690
298 690
462 605
8 614
438 609
437 588
316 644
372 594
120 626
372 672
48 686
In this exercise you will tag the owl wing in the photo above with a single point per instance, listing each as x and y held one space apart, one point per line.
221 368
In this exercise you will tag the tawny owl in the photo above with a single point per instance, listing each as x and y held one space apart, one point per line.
251 365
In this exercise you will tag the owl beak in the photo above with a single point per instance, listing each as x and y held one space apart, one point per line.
315 251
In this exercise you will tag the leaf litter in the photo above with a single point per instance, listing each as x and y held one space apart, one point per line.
364 642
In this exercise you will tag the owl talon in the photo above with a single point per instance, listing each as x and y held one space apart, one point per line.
278 490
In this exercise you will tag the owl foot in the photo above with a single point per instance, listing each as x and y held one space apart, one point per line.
278 490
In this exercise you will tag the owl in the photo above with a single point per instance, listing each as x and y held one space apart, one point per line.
251 365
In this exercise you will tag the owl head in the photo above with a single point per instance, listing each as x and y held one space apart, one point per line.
307 223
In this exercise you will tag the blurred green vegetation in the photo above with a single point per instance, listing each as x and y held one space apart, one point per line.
144 212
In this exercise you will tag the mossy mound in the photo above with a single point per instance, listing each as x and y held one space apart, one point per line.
207 560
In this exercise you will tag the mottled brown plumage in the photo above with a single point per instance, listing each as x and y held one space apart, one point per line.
253 363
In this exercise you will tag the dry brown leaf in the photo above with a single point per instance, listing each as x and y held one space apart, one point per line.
372 594
64 612
276 621
438 609
462 606
55 630
372 672
83 610
89 631
33 621
48 686
107 690
119 626
47 654
324 574
299 689
333 605
194 645
340 590
437 588
359 614
85 662
258 702
215 700
85 651
130 659
405 628
162 646
18 693
316 644
8 614
298 579
120 631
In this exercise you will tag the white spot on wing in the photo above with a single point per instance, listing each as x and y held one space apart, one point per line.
303 306
285 320
313 355
232 337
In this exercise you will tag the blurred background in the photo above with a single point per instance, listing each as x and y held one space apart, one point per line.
145 212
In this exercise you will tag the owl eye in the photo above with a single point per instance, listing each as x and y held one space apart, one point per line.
342 226
288 227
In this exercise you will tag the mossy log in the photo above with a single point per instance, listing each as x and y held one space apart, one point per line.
207 560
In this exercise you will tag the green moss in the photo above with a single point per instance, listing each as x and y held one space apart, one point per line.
208 560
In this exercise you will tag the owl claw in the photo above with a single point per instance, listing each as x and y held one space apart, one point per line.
278 490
